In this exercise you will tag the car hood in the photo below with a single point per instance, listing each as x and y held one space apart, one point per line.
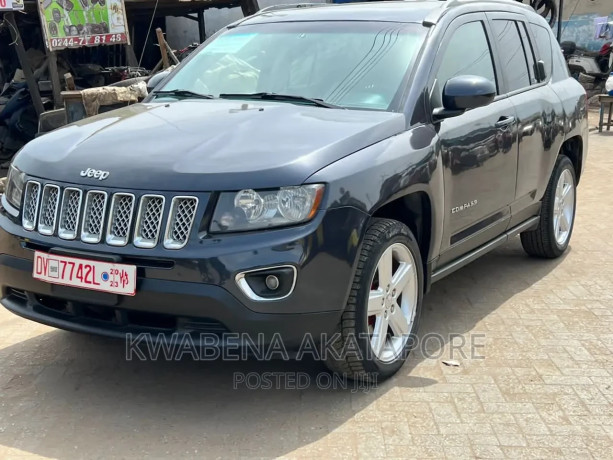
204 145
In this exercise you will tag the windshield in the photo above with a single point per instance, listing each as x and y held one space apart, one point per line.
350 64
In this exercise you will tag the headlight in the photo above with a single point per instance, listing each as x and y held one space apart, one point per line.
14 186
251 210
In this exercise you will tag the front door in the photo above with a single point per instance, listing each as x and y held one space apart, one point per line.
478 148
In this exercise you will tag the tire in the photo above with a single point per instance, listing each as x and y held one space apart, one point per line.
549 239
353 353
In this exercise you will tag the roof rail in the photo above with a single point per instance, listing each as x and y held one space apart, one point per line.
512 2
292 6
272 8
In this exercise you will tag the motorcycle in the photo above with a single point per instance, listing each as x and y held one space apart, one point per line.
579 62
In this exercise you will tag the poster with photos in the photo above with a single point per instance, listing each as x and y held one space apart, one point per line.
78 23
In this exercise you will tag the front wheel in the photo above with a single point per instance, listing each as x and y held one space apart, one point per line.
550 239
377 329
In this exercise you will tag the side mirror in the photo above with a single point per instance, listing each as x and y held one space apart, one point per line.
463 93
156 79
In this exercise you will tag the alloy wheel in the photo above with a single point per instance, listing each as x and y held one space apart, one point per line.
564 207
392 302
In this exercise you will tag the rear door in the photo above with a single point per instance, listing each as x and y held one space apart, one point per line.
536 106
478 148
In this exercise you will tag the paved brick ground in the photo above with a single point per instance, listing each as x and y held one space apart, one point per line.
539 383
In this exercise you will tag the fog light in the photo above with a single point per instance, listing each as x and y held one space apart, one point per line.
272 282
265 284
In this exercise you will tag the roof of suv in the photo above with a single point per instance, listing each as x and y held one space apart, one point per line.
393 11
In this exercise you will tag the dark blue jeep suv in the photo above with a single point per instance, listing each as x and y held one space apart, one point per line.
306 171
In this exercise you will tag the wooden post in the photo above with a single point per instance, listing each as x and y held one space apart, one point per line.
131 56
560 16
55 79
163 50
249 7
201 28
25 63
172 55
70 86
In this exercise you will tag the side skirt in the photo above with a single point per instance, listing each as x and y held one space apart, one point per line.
458 263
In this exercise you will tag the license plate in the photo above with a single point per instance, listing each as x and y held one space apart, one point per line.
84 273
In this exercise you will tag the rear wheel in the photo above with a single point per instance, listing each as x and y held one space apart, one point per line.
550 239
376 330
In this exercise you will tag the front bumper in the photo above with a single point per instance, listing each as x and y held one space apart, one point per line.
193 290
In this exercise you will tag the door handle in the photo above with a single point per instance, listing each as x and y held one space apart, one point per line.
504 121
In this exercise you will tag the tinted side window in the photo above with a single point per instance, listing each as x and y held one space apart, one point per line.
514 65
543 46
467 53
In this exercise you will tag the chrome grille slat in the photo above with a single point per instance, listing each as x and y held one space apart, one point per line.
120 221
180 221
70 213
149 221
30 205
48 209
93 216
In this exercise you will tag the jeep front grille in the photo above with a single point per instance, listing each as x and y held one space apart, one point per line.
178 228
116 219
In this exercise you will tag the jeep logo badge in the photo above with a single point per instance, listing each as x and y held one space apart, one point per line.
95 173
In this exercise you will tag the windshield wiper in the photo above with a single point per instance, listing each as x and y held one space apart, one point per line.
281 97
183 93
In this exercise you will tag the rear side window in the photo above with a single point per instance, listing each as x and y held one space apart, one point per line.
543 46
467 53
514 64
